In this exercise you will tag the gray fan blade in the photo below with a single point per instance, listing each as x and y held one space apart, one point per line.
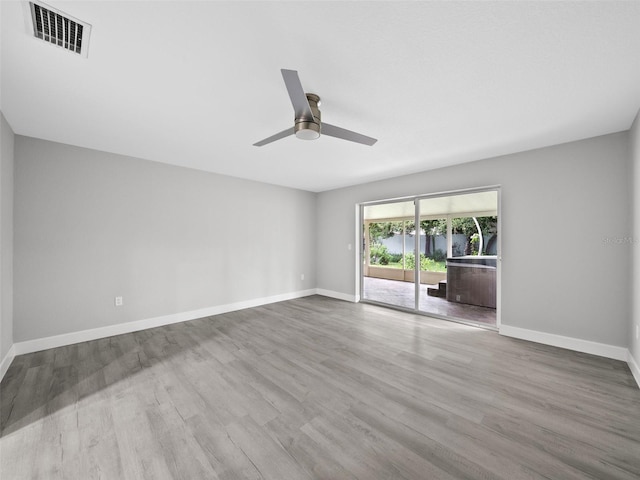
273 138
297 95
333 131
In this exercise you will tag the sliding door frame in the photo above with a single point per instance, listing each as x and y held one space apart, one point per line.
361 251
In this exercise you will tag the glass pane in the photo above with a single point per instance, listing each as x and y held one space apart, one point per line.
458 272
389 239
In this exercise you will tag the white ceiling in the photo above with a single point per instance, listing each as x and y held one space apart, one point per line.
438 83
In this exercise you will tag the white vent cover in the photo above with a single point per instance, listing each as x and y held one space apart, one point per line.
58 28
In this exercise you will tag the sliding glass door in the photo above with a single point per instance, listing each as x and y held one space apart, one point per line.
435 254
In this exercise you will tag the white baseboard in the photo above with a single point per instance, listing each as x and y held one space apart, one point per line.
576 344
6 361
38 344
337 295
20 348
634 367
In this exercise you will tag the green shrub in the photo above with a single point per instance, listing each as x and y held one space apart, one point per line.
395 257
439 256
475 240
410 261
379 254
426 264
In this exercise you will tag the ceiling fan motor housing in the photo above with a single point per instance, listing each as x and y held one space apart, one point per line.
309 128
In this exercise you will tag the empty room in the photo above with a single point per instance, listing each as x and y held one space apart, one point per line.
320 240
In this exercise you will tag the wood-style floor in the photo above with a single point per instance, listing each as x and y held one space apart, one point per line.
317 388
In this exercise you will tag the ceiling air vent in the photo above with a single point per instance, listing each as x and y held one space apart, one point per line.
58 28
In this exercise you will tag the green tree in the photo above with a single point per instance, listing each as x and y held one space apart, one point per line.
467 227
431 229
380 230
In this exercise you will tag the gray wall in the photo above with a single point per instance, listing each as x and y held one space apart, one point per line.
580 186
6 236
91 225
634 342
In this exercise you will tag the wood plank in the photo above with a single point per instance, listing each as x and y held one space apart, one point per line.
316 388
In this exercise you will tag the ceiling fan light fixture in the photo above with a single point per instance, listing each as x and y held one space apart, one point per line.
307 130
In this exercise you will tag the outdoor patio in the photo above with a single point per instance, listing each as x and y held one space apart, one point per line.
402 294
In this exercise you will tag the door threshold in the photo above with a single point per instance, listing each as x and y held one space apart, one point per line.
470 323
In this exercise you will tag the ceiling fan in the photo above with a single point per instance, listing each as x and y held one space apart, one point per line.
307 125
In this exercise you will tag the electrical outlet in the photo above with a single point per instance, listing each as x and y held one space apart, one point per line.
302 276
457 298
637 331
348 246
118 301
